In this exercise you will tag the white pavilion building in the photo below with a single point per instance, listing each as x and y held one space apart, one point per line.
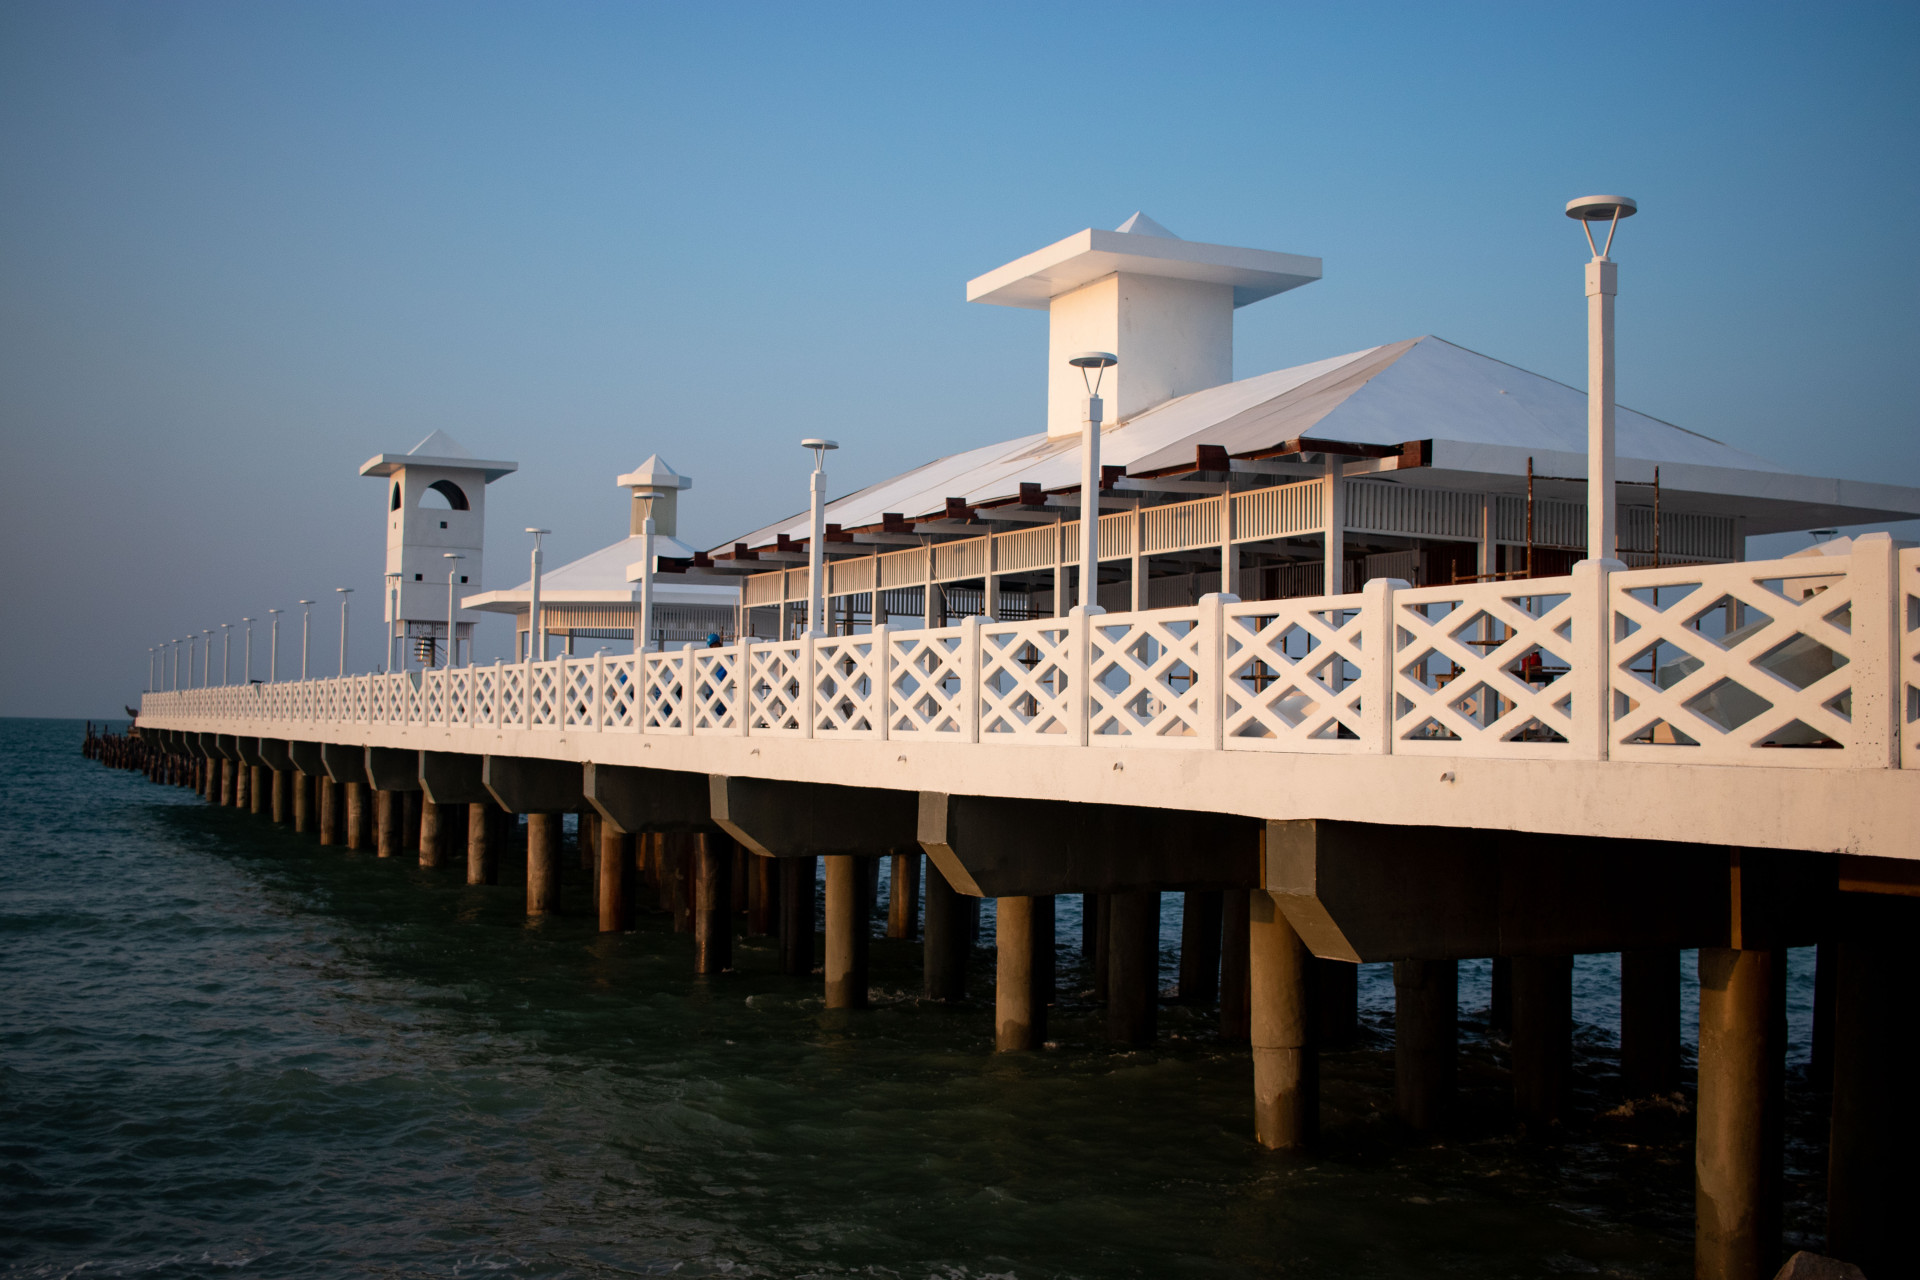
1418 460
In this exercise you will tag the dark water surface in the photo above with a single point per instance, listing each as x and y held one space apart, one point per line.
227 1051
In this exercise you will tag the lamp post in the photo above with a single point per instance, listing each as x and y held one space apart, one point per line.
344 593
1092 366
175 645
306 633
247 653
817 537
536 627
643 625
149 668
396 629
453 559
1602 285
206 658
226 653
273 646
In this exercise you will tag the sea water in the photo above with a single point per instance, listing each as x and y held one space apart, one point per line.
227 1051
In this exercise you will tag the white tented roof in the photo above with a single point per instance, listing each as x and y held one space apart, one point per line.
1485 419
438 450
600 577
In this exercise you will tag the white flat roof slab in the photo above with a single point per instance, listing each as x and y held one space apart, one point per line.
1089 255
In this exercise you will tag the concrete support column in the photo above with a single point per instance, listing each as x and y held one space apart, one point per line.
240 774
1873 1180
903 899
1649 1022
1738 1141
763 897
279 805
543 864
1425 1022
432 841
846 931
1200 946
1133 968
1235 1010
1286 1069
226 783
1102 946
713 908
616 880
357 815
1826 971
1542 1038
331 810
1019 1005
413 808
386 822
1500 998
946 942
259 800
1046 948
302 786
796 915
483 844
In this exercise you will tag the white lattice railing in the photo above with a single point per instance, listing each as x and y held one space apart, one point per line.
1809 661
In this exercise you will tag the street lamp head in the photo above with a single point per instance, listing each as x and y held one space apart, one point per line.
1588 210
306 602
820 448
1092 366
451 555
344 590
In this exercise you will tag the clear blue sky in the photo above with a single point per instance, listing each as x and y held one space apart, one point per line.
247 246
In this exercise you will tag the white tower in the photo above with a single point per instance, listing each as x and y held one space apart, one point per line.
436 503
656 492
1163 305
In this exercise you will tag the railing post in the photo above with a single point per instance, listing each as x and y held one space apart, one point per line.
1592 646
743 687
1210 646
883 676
1080 624
690 690
499 694
599 690
526 693
1873 577
1379 630
563 692
810 686
970 675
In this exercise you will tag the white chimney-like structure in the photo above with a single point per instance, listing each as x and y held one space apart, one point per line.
1163 305
656 492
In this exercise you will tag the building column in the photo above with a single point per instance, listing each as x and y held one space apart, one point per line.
543 864
260 800
1133 967
330 810
1235 1011
302 786
1873 1180
432 834
279 803
903 896
846 960
1019 1005
386 822
1200 912
1738 1142
713 906
1426 1009
237 771
796 915
483 844
1286 1069
616 880
356 805
1102 970
1500 996
413 810
225 793
1542 1038
1336 1002
763 896
1649 1022
945 942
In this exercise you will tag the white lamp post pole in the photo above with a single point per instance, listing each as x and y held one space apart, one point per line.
273 646
536 626
1092 366
817 537
206 659
306 633
453 560
247 653
175 645
226 653
1602 285
643 630
344 593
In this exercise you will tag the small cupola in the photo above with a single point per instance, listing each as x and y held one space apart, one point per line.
656 488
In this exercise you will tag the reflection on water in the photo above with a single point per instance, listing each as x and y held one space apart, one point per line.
229 1051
